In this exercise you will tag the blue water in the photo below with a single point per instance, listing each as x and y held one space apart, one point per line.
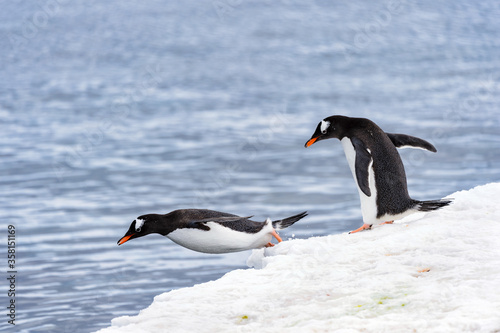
110 110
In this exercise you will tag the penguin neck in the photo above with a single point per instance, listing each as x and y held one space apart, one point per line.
162 224
347 126
342 124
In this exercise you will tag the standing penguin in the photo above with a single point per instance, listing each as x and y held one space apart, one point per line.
376 167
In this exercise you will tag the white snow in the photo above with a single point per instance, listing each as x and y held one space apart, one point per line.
435 272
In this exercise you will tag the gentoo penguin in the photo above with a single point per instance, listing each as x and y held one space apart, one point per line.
210 231
376 167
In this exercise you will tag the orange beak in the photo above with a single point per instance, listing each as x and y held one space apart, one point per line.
275 234
124 239
310 142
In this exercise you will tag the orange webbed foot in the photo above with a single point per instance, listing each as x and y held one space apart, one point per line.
275 234
363 227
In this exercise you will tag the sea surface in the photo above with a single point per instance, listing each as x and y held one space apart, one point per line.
114 109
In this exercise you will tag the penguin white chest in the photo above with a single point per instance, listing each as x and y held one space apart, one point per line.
368 203
219 239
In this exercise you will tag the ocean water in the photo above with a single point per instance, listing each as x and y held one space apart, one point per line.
110 110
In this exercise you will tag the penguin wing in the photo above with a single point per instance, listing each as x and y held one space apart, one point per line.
407 141
361 164
200 224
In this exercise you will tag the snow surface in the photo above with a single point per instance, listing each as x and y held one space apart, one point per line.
435 272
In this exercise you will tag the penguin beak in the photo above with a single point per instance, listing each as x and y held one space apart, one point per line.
124 239
311 141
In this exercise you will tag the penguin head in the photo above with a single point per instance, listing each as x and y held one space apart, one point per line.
326 129
142 226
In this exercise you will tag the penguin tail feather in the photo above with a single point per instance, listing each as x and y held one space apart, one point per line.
430 205
285 223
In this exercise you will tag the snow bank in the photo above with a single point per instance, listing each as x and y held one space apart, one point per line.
440 273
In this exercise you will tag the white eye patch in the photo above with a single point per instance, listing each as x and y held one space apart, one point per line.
324 126
138 224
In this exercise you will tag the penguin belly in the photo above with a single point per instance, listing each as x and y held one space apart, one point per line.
219 239
369 208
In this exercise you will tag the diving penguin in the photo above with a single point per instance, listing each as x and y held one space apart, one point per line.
209 231
376 167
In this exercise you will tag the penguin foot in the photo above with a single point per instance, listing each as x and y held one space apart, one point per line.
275 234
269 244
387 222
363 227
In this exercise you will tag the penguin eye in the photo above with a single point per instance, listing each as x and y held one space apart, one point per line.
324 126
138 224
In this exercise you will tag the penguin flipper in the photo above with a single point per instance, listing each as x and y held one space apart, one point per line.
200 224
404 141
222 219
361 164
